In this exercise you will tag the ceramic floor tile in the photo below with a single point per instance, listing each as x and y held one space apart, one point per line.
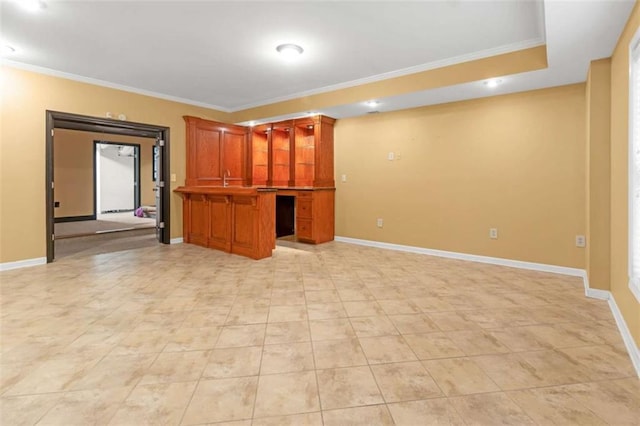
413 324
477 342
288 298
405 381
233 362
144 341
438 411
115 371
287 357
373 326
338 353
53 376
380 350
331 329
320 311
93 329
351 295
290 393
241 335
554 367
86 407
322 296
219 400
558 337
206 318
601 362
26 410
510 371
307 419
363 308
554 406
358 416
453 321
459 376
432 305
176 367
490 409
432 346
348 387
161 403
287 332
399 307
192 339
287 313
519 339
609 400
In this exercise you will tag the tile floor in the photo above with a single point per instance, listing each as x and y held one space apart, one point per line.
334 334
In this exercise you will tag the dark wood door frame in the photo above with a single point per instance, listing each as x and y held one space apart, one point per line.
63 120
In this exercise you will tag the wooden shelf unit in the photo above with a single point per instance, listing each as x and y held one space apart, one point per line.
300 153
259 159
291 158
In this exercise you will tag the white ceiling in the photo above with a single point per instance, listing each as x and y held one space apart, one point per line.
222 54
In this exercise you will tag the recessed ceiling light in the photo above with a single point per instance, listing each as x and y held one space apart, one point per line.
494 82
8 50
289 50
373 103
31 5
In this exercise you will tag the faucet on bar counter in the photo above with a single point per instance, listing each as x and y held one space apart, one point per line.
227 174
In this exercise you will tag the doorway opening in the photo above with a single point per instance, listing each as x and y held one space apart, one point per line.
127 193
117 177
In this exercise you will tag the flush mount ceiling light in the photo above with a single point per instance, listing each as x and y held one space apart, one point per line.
289 50
494 82
372 103
31 5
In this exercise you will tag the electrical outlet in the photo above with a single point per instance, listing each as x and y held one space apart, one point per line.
344 178
391 156
493 233
581 241
379 222
173 177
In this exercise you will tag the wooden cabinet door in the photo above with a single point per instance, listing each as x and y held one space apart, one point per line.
215 148
245 232
233 152
198 219
219 222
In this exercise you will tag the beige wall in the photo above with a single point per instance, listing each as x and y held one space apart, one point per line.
25 98
598 174
625 300
73 170
514 162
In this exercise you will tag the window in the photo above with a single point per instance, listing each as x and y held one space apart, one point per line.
634 165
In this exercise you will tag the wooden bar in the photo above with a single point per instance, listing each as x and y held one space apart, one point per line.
238 220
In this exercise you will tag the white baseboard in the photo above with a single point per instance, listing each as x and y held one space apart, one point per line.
176 240
575 272
23 263
632 348
630 344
